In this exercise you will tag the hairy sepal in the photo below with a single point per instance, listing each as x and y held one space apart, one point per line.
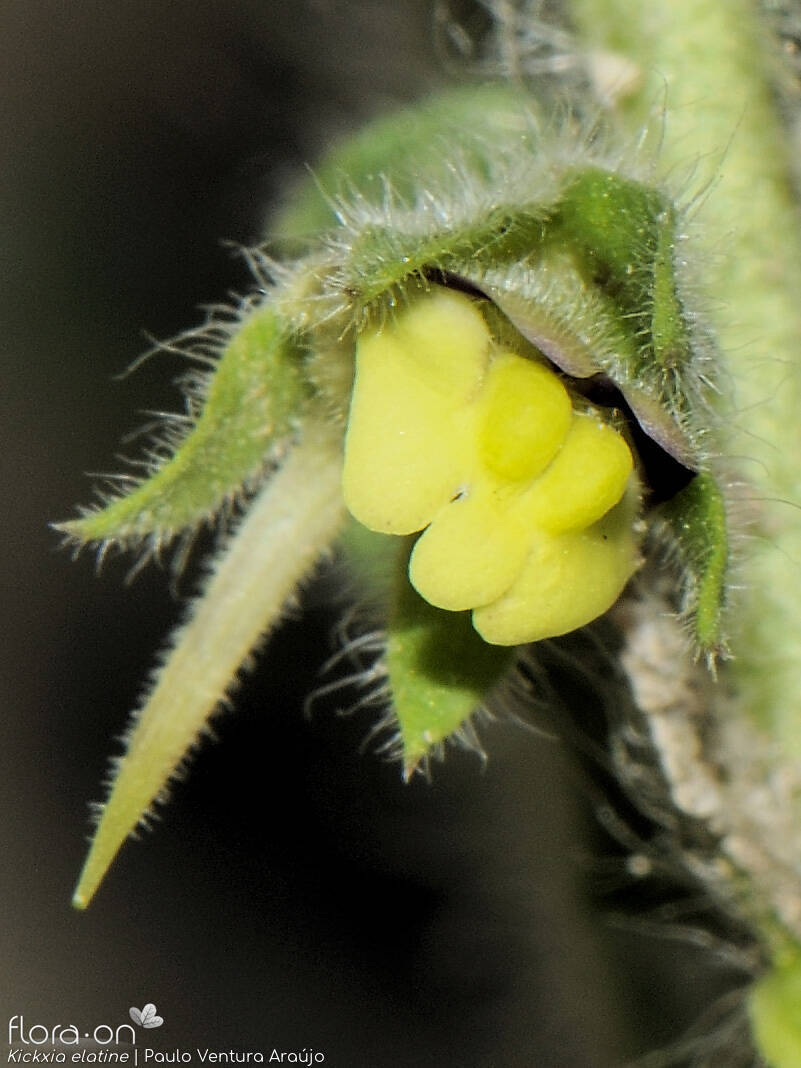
694 526
291 522
439 673
582 258
245 411
599 294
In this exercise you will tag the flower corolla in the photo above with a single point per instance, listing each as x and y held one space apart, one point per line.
526 501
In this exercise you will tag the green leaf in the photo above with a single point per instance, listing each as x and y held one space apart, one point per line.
250 406
390 151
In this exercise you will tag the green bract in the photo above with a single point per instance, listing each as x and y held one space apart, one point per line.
571 268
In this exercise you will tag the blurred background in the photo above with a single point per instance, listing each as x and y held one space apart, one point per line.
296 893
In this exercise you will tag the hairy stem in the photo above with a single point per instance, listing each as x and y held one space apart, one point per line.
707 64
735 761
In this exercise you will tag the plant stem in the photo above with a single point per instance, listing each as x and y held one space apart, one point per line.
707 64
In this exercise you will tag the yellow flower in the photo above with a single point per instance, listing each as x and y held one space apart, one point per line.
529 505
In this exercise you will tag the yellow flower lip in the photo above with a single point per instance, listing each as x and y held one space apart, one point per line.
527 505
526 416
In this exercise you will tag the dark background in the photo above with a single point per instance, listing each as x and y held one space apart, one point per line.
296 894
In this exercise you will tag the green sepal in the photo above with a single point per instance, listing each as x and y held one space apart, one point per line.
696 526
382 259
773 1007
438 668
440 671
669 334
583 257
584 332
624 234
583 262
614 222
599 294
250 405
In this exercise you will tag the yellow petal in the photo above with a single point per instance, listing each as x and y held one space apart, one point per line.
526 415
403 459
411 431
470 555
445 340
586 479
568 580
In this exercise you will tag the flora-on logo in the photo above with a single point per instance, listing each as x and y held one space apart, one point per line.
64 1035
146 1017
